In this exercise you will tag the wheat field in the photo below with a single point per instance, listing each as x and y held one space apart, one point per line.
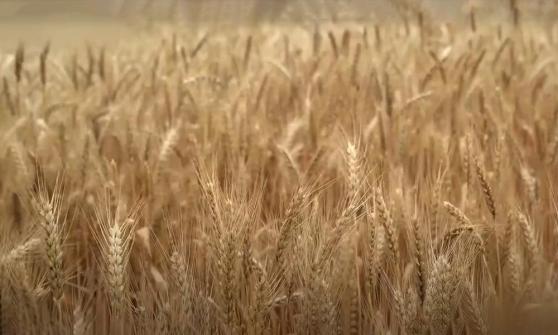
331 178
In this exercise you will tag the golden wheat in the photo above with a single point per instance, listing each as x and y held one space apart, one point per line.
257 180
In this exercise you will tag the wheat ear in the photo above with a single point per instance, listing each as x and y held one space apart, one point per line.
18 253
472 311
419 260
180 275
53 239
439 296
116 241
457 214
529 239
116 265
486 189
386 221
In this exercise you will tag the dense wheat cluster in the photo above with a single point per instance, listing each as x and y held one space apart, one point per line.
371 179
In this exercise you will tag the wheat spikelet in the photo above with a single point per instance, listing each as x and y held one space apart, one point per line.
247 257
115 240
386 221
354 305
530 184
290 223
400 309
17 214
247 51
486 189
419 260
473 19
499 151
19 252
333 43
472 311
457 214
552 146
48 211
8 96
226 264
90 65
414 322
513 270
116 266
258 311
380 245
20 162
372 255
262 293
101 64
19 61
316 41
43 64
438 303
465 144
346 42
81 322
169 141
355 64
509 235
180 276
531 247
436 194
85 156
354 167
208 190
312 309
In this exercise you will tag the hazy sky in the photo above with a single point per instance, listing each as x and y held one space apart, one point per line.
108 7
241 9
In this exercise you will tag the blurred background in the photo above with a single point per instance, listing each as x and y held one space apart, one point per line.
244 9
76 20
